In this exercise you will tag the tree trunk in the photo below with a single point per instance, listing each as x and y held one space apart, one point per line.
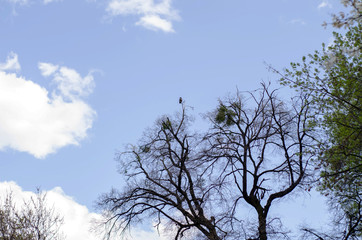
213 234
262 227
214 237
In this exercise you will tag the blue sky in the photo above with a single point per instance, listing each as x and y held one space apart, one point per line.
81 79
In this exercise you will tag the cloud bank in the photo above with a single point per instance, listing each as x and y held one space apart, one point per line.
78 220
154 15
35 121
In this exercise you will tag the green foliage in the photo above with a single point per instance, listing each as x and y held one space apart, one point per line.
166 125
145 149
225 115
333 77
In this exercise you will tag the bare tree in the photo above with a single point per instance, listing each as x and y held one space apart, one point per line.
255 154
32 221
266 144
165 180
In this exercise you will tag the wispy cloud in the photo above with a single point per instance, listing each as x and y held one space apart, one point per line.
71 85
325 3
50 1
20 2
11 64
154 22
38 122
16 4
23 2
47 69
154 15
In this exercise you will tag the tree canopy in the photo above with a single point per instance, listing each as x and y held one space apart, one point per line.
258 148
333 77
256 151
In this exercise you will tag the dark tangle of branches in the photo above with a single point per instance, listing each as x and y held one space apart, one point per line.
257 150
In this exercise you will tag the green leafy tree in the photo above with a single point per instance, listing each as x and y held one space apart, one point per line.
333 77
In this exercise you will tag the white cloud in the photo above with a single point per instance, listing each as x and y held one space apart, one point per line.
78 220
11 64
325 3
39 123
155 23
70 84
47 69
153 15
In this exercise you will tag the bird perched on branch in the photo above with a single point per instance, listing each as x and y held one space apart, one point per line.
180 100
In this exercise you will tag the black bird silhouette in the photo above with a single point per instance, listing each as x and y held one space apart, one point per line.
180 100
